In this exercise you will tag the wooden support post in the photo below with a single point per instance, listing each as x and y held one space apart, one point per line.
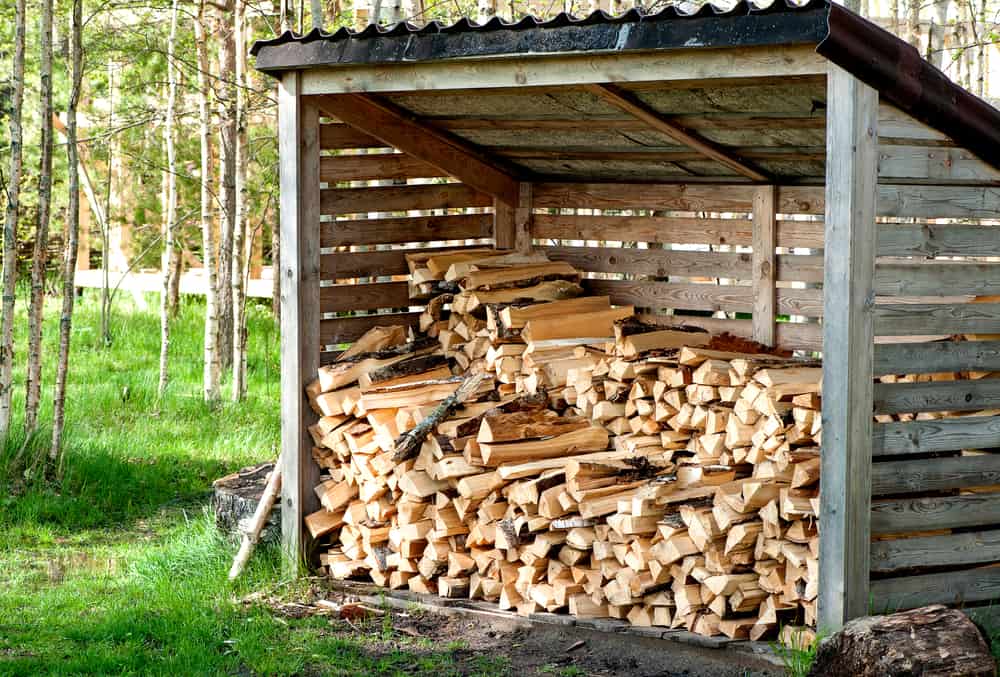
298 142
763 265
512 223
848 346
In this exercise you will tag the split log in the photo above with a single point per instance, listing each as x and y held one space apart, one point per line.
408 444
930 641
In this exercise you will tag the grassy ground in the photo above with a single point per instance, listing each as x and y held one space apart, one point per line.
117 569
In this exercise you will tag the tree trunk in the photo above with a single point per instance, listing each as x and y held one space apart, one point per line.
174 299
170 223
913 23
894 17
239 232
72 231
316 10
938 29
10 224
39 255
212 368
981 38
226 94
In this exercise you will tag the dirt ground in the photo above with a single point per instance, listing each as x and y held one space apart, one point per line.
481 643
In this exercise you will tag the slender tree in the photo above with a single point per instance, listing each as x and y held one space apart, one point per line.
72 229
39 255
226 95
11 222
240 227
170 223
212 367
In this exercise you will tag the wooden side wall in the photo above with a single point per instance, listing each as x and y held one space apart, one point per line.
936 480
376 204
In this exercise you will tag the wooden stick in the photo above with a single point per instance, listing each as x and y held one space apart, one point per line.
408 444
260 515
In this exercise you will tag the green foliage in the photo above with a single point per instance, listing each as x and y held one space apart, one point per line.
796 661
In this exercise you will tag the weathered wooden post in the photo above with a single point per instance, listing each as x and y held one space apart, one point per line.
848 298
298 143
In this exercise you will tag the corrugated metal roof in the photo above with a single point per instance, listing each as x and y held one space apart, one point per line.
680 12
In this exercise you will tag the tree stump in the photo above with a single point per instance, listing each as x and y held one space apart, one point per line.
235 499
933 641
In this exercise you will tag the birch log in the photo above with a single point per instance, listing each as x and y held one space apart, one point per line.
257 522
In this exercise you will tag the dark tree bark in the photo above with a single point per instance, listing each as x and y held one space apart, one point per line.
226 95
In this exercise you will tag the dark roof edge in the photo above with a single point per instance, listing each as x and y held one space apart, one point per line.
744 25
909 82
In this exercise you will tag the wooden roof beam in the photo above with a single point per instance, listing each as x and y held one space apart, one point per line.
397 127
630 103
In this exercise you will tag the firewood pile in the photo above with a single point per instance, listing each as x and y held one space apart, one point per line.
541 449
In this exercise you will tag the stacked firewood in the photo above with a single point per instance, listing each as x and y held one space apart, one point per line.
543 450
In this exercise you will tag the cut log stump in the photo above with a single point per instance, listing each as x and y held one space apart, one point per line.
235 499
933 641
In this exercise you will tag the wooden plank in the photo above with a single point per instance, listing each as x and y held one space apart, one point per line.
935 357
938 202
734 121
298 143
346 329
941 164
896 124
340 201
918 319
348 297
741 64
524 217
658 262
400 129
377 166
899 515
504 228
972 547
633 105
791 335
946 434
952 587
406 229
849 266
912 398
729 298
906 239
800 268
379 263
763 264
671 229
934 474
338 136
670 197
936 279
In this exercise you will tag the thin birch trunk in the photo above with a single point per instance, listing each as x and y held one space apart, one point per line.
240 227
40 251
212 368
316 12
226 94
72 232
981 40
913 23
10 225
170 224
106 223
935 41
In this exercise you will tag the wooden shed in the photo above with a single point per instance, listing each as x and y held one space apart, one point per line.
847 190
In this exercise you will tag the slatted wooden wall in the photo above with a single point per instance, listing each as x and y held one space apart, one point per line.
682 248
366 229
936 481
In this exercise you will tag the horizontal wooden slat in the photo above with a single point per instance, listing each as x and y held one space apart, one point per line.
405 229
974 547
791 335
946 434
658 262
379 166
666 229
343 265
897 124
347 329
953 587
896 398
908 239
917 319
730 298
336 136
899 515
685 198
944 165
400 198
936 278
934 474
935 357
938 202
345 297
800 268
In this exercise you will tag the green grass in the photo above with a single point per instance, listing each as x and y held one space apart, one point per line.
117 569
